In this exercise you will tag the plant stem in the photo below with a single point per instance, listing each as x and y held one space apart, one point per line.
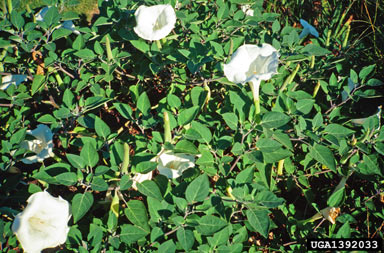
255 86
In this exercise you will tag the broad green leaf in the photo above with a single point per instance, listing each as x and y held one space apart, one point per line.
338 130
68 98
52 16
60 33
220 237
143 104
209 224
130 234
267 145
38 81
89 154
274 119
85 54
17 137
102 129
185 146
324 156
336 198
137 214
187 115
268 199
76 161
315 50
67 178
150 189
81 203
124 109
277 155
245 176
366 71
231 120
305 105
198 189
185 238
370 165
204 131
99 184
259 220
140 44
17 20
167 247
79 42
173 101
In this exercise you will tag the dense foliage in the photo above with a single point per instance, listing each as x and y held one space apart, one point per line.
309 165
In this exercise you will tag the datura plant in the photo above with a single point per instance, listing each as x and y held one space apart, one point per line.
188 126
43 223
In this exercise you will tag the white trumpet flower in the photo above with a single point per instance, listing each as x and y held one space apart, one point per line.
8 80
172 165
42 145
43 223
139 178
253 64
154 22
307 29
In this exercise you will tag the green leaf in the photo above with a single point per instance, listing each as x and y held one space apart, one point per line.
140 44
245 176
274 119
173 101
324 156
81 203
67 178
130 234
366 71
68 98
185 238
204 131
85 54
338 130
187 115
79 43
259 221
209 224
146 166
277 155
89 154
143 104
315 50
231 120
268 199
374 82
17 20
102 129
185 146
370 165
150 189
38 81
17 137
267 145
198 189
305 105
137 214
124 109
336 198
76 161
167 247
52 16
99 184
60 33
